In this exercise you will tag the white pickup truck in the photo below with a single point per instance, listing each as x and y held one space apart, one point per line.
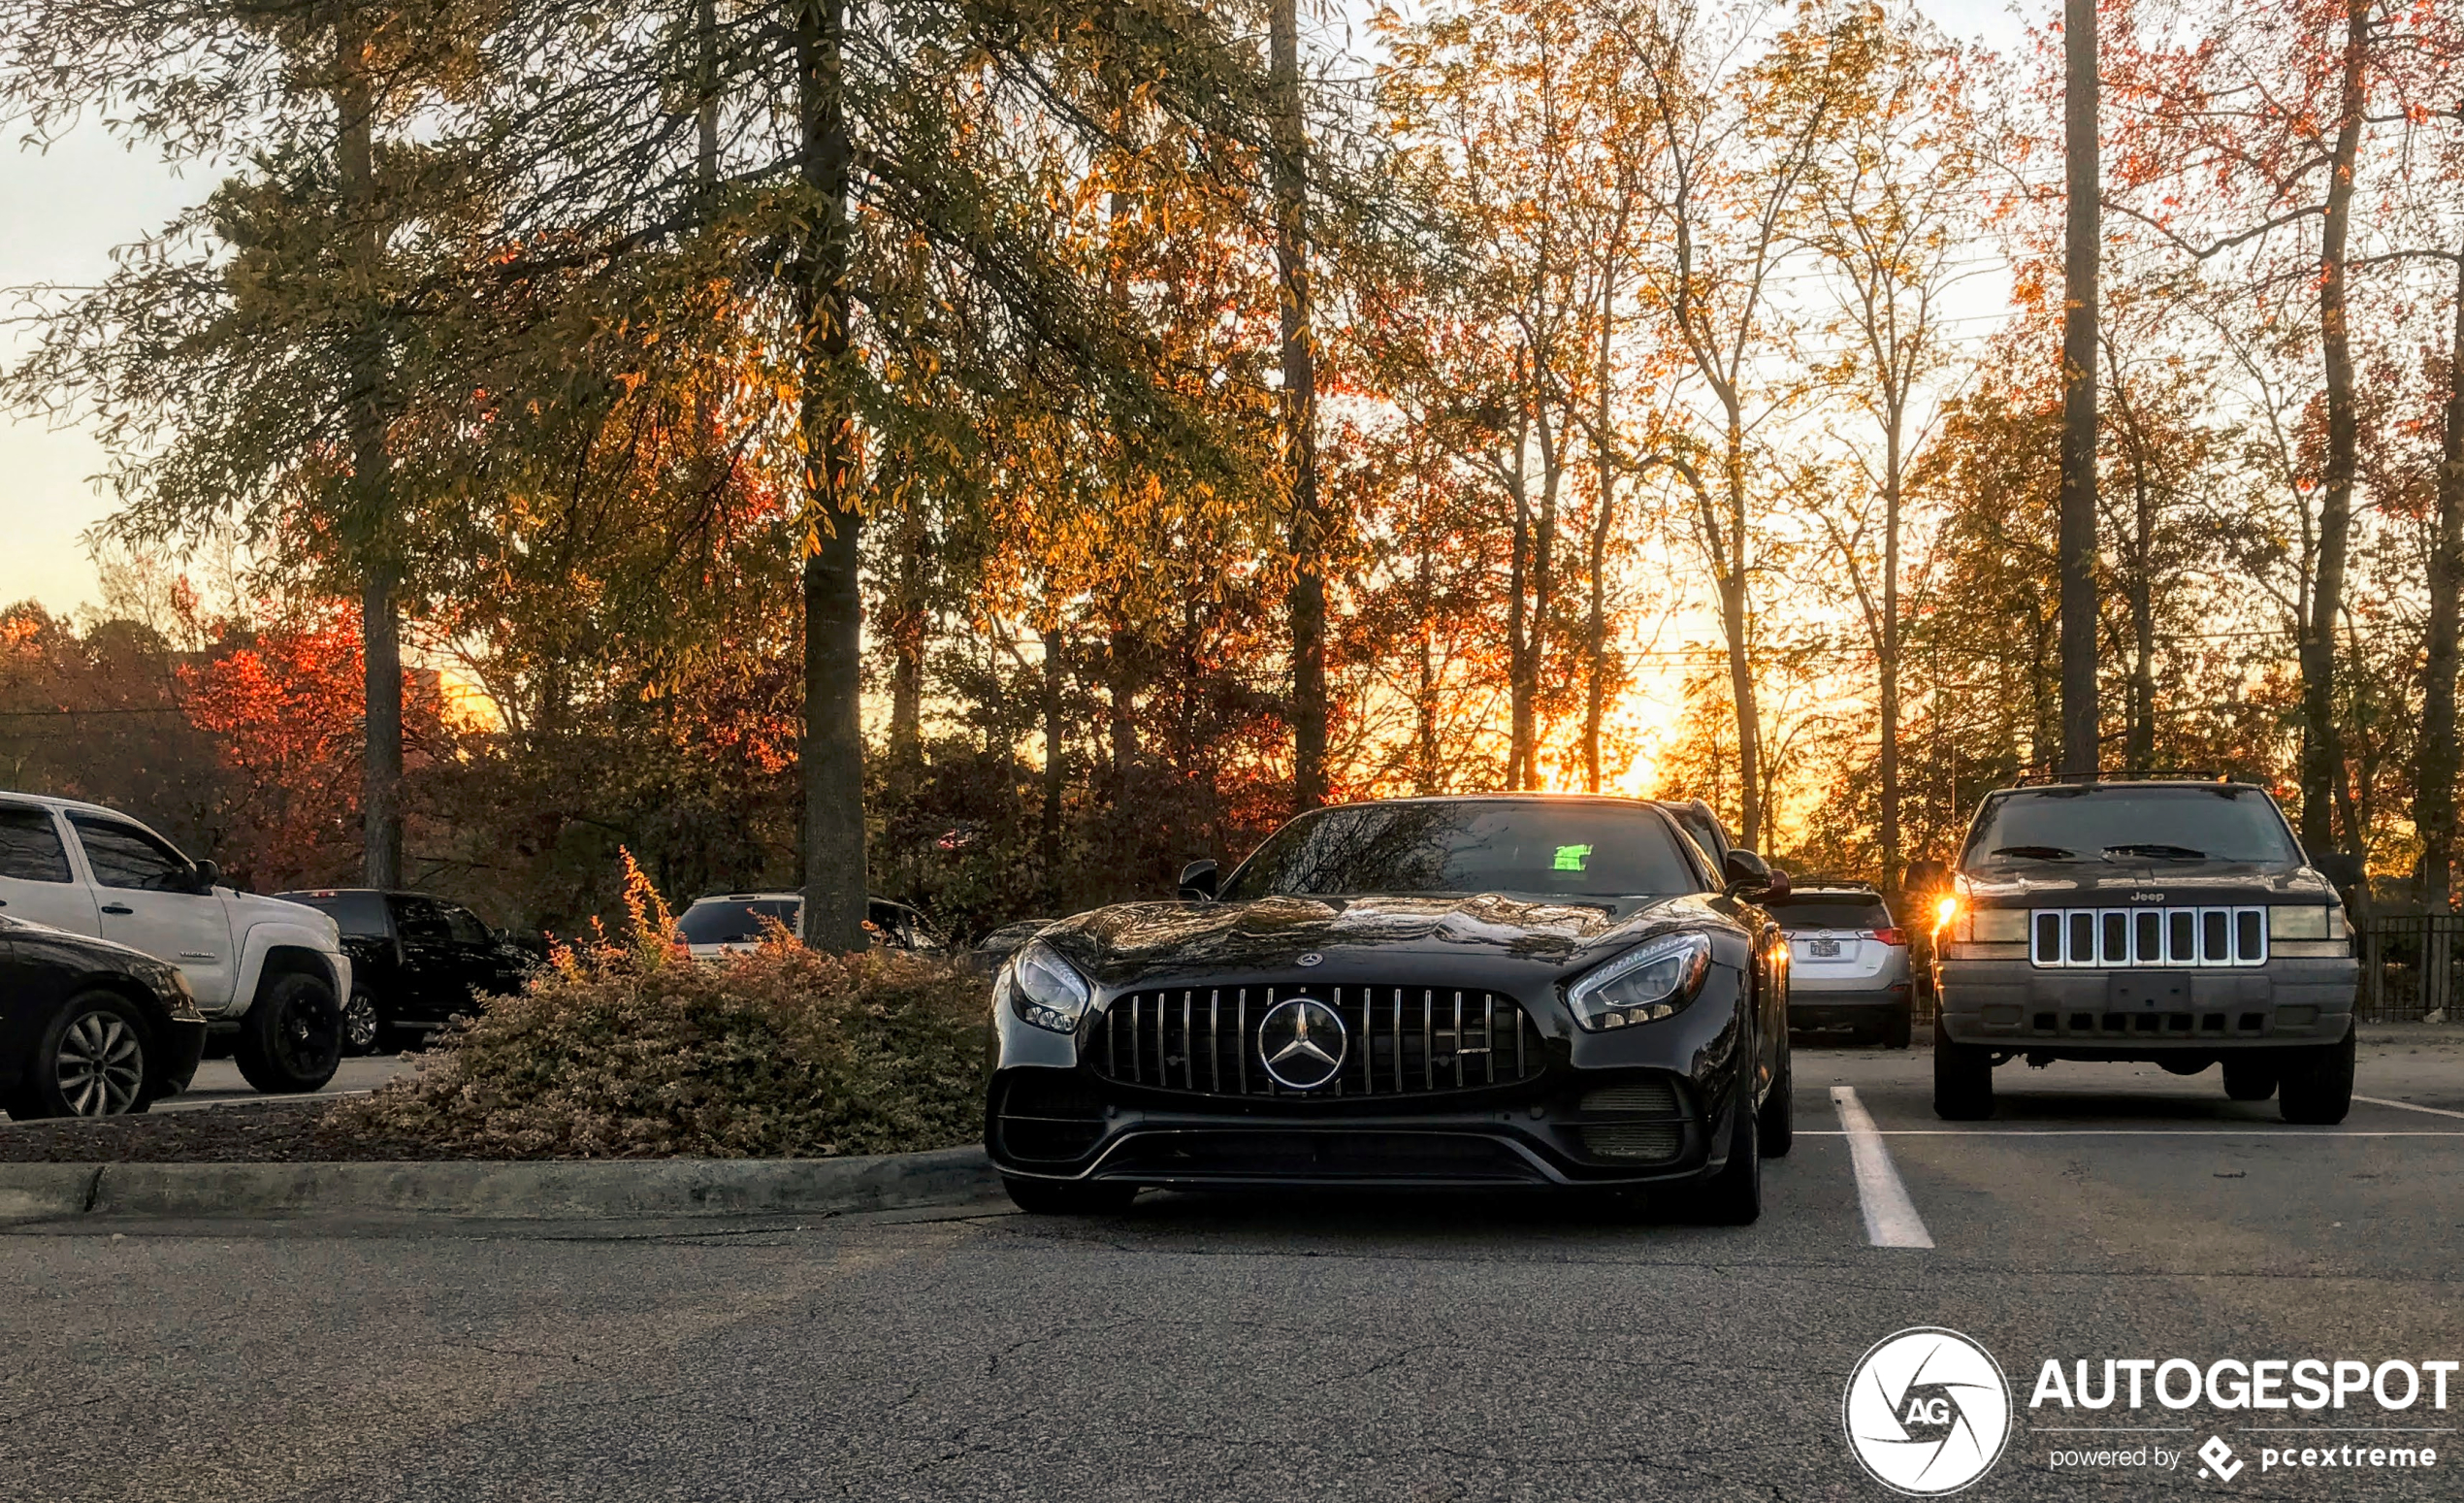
266 973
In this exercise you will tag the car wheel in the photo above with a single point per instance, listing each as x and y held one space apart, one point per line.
1777 1126
1898 1029
2317 1090
363 1031
1963 1079
1734 1196
2249 1077
1068 1198
88 1061
291 1039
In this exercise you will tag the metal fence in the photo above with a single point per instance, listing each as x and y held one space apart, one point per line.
2408 966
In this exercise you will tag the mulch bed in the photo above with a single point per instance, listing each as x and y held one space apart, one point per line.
282 1133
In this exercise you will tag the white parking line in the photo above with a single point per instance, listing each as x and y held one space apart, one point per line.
1891 1216
2435 1111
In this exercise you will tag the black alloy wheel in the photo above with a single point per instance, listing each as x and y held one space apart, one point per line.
291 1039
363 1031
1734 1196
1777 1125
88 1061
1962 1078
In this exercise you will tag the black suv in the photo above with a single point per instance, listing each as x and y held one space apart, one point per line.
416 960
2165 920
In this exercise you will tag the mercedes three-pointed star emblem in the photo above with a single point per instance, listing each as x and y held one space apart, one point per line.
1303 1042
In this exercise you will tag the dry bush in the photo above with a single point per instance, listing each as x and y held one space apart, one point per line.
624 1049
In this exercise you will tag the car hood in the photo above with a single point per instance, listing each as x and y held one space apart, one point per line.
96 949
248 910
2120 883
1121 944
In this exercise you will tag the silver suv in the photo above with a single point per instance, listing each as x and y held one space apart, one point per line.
1847 964
2173 921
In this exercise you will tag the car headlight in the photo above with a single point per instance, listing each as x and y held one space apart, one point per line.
2305 921
1046 990
1651 981
1993 926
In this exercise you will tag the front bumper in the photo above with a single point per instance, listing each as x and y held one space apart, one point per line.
2127 1013
1052 1114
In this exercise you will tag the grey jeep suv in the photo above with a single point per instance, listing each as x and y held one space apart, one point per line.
2173 921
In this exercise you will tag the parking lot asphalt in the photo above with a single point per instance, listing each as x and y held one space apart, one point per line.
218 1084
1416 1349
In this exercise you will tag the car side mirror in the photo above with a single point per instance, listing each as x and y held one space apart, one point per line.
1748 874
1200 881
208 875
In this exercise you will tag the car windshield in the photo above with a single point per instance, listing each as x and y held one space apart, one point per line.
1828 911
2105 822
1550 849
727 921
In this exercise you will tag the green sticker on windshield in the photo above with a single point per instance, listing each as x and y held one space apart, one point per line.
1571 858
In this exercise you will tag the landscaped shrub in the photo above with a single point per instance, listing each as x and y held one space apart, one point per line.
625 1049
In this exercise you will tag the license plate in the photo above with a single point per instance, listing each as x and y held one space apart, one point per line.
1826 949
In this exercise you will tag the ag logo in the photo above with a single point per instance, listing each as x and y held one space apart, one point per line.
1928 1411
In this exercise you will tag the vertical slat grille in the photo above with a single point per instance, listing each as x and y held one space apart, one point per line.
1400 1041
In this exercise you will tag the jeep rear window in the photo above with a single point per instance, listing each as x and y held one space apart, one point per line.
2110 822
1829 912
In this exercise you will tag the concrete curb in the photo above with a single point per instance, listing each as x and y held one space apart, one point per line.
566 1189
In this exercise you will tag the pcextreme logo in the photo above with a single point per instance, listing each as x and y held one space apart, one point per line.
1928 1411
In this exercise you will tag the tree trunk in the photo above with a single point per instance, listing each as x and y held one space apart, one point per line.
1518 632
1889 666
2322 752
1732 623
371 469
2435 771
1120 663
2077 559
1307 603
832 755
1055 760
1596 629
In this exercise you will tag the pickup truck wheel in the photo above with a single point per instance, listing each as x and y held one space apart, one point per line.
1963 1079
88 1061
2318 1085
2248 1078
363 1031
1068 1198
291 1039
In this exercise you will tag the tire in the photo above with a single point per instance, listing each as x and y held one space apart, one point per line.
1898 1029
2249 1077
89 1061
2318 1087
1776 1126
1963 1079
1734 1196
363 1027
291 1039
1068 1198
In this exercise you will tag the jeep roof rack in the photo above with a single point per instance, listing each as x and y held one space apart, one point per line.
2126 775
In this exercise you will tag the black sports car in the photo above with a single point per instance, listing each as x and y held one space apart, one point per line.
1494 991
90 1028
